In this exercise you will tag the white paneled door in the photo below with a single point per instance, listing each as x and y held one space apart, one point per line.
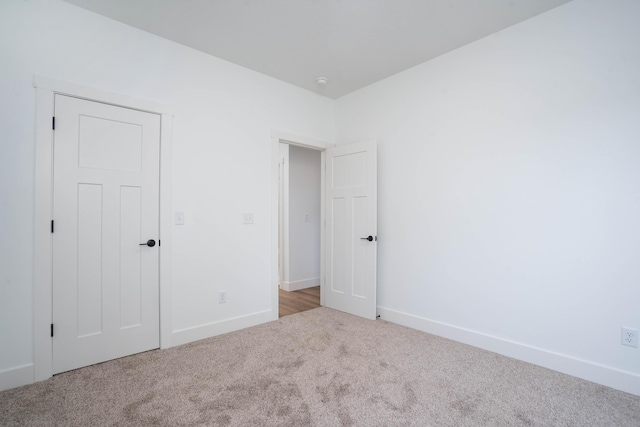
351 229
105 210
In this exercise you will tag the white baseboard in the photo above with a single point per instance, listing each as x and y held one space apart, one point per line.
16 377
600 374
23 375
209 330
301 284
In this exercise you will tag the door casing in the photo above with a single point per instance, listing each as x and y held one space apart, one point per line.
46 89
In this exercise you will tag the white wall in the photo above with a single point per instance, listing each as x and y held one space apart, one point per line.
509 190
304 235
224 115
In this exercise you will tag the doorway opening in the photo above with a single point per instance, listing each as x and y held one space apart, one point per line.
295 287
299 228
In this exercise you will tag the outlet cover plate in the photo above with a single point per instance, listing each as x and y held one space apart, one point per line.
630 337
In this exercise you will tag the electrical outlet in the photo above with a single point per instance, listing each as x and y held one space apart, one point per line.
630 337
222 297
247 218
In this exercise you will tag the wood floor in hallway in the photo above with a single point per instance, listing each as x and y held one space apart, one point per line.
297 301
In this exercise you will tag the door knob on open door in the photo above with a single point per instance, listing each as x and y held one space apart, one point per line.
151 243
370 238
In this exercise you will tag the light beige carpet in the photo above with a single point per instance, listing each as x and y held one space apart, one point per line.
318 368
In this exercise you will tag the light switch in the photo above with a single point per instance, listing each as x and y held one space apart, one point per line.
247 218
179 218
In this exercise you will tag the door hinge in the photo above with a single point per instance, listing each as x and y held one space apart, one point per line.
52 226
53 123
52 329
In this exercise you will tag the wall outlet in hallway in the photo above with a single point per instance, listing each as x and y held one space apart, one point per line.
222 297
630 337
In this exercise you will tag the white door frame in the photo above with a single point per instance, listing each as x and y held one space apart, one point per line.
283 219
300 141
46 89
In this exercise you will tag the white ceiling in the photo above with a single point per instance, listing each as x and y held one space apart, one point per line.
351 42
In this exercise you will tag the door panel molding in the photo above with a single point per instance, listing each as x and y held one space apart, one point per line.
46 89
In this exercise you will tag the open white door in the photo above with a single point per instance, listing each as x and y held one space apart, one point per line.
351 229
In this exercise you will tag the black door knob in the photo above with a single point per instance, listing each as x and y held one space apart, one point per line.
151 243
370 238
